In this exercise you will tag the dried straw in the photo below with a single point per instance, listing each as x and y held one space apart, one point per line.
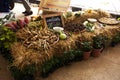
23 56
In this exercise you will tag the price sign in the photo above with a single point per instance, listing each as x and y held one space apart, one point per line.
53 20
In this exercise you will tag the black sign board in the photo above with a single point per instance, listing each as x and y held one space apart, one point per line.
54 20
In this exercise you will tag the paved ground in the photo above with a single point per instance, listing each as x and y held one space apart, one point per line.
105 67
4 71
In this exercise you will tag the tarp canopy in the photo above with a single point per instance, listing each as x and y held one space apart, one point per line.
113 6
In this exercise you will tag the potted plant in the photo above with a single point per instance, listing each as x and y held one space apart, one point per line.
97 45
86 48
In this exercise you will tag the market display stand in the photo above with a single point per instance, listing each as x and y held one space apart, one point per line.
40 50
35 48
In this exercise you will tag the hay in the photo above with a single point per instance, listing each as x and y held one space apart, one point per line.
93 14
87 36
103 13
23 56
65 45
33 46
110 31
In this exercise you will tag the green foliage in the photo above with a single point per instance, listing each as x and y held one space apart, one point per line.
7 55
86 46
116 38
38 18
106 41
7 37
78 14
118 18
24 74
97 42
78 55
56 62
7 18
89 26
68 57
68 14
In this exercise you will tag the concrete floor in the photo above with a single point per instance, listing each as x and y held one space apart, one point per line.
105 67
19 8
4 71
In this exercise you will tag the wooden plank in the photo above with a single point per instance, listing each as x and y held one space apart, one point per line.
54 5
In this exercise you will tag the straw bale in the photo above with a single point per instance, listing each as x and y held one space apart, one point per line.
24 56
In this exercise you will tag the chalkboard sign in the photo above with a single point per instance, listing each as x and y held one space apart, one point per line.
54 20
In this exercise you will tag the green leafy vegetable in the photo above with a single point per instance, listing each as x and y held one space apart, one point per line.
7 37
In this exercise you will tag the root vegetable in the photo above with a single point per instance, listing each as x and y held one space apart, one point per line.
11 26
21 23
15 25
26 20
37 40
